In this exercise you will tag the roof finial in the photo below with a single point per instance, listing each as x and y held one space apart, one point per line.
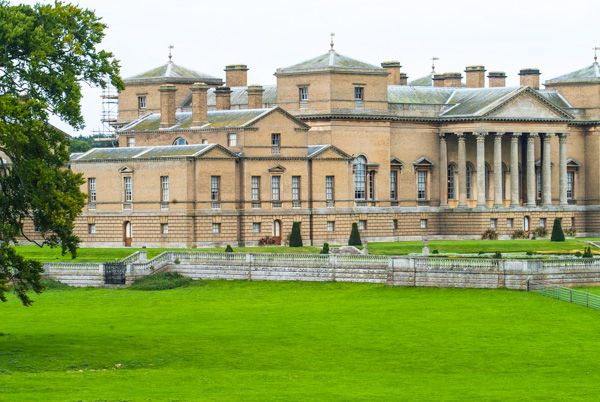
433 60
171 47
331 43
596 53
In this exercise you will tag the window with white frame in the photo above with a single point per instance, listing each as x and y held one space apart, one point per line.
542 223
423 223
92 192
421 184
215 191
255 191
359 93
164 192
329 191
216 228
394 186
127 190
276 191
276 143
204 141
232 140
494 223
256 227
303 94
180 141
142 102
570 184
469 181
164 228
130 142
451 181
360 178
510 223
362 224
92 228
538 183
331 226
296 191
372 185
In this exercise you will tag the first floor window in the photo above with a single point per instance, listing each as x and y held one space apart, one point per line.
303 94
469 181
295 191
423 223
215 193
256 227
359 93
538 183
142 102
130 142
276 191
360 178
232 140
92 192
421 184
362 224
164 191
570 185
329 183
216 228
331 226
255 191
275 143
451 187
92 228
127 189
164 228
394 185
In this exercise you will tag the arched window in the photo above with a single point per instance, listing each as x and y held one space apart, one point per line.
451 182
360 178
180 141
469 180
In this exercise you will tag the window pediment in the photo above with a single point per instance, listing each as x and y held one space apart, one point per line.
125 170
277 169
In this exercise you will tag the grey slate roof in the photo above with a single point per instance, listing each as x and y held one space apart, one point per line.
426 81
589 74
169 151
331 61
172 73
239 97
418 94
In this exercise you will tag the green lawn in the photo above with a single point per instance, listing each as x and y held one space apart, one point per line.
258 341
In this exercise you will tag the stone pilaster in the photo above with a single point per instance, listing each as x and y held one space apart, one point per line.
530 170
514 170
546 172
443 170
498 174
481 201
562 167
462 171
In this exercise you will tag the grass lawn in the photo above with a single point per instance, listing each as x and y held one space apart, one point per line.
257 341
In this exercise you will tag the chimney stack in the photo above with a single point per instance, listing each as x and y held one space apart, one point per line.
167 105
199 104
530 77
223 95
403 79
236 75
255 97
453 80
475 76
438 80
497 79
392 67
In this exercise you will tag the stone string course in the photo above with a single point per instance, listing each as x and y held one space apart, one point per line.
392 271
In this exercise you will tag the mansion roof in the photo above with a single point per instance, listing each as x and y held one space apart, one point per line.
332 61
172 73
589 74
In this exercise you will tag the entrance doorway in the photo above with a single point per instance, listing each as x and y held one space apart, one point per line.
277 231
127 234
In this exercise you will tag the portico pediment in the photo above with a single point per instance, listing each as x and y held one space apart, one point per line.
526 106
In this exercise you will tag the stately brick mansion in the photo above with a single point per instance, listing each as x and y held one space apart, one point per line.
336 141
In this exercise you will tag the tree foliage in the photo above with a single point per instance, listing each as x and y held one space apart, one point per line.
296 236
354 236
557 232
46 53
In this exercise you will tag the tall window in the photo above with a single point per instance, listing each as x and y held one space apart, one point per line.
92 192
164 192
359 93
232 140
142 102
303 94
127 190
451 185
130 142
469 180
329 194
570 185
296 191
215 191
276 191
275 143
394 186
360 178
255 191
372 185
538 183
421 184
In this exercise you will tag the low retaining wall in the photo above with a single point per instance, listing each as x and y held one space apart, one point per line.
393 271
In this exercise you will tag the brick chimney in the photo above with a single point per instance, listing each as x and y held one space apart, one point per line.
438 80
453 80
223 95
236 75
497 79
403 79
475 76
392 67
199 104
167 105
255 97
530 77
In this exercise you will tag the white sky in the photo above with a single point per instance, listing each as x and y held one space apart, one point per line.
506 35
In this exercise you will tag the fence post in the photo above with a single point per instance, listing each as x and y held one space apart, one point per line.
570 295
390 272
332 265
249 263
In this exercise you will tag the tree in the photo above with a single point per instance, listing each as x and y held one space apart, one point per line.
557 232
296 236
354 236
47 51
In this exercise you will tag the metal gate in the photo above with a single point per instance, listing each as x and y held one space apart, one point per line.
114 273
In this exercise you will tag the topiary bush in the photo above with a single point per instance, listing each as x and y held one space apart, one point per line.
489 234
325 249
587 253
354 236
296 236
519 234
557 232
161 281
228 249
435 251
498 255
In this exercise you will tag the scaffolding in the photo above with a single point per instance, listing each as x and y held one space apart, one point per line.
108 117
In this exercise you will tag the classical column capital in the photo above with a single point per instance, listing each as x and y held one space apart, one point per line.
443 136
531 138
480 134
498 137
546 135
516 136
460 136
562 136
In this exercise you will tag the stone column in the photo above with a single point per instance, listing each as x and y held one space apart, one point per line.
546 172
530 170
443 171
462 171
498 174
562 167
514 170
481 202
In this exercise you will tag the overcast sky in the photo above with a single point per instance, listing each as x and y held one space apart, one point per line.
506 35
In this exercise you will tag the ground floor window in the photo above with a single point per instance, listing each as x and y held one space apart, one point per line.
256 227
526 224
542 222
510 223
164 228
395 224
330 226
362 225
92 228
216 228
494 223
423 223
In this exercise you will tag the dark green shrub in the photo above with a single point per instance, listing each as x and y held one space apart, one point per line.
161 281
435 251
539 232
578 254
557 232
519 234
296 236
354 236
489 234
481 252
588 253
228 249
325 249
177 261
497 255
529 253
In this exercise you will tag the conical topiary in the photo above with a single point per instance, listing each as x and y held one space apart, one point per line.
325 249
228 249
354 236
296 236
557 232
